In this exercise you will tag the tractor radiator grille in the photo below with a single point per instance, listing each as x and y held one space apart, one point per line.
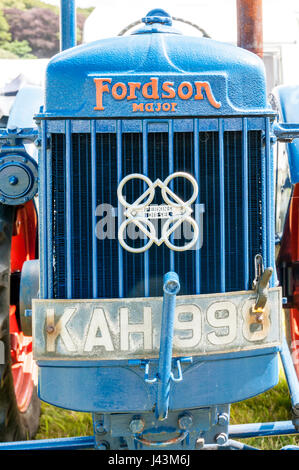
84 258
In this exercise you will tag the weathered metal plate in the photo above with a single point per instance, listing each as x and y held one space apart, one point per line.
106 329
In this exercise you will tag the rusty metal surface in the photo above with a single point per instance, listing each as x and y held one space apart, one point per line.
250 25
130 328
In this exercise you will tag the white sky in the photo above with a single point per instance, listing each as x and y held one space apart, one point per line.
79 3
279 18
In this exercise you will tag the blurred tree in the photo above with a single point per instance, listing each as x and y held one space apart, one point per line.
26 4
20 49
7 55
32 21
30 28
5 35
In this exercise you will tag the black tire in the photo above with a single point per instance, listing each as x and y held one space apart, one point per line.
14 424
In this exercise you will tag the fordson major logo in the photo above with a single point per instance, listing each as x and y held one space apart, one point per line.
152 95
174 212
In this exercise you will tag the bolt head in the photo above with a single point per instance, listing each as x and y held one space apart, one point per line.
103 445
221 439
185 421
99 428
223 419
136 425
13 180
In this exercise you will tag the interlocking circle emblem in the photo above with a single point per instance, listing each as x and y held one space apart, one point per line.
141 212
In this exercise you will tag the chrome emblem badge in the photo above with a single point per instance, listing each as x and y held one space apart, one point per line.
175 211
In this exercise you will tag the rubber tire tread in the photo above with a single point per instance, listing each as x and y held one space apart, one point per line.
14 425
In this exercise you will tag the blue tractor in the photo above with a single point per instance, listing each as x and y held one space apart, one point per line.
155 300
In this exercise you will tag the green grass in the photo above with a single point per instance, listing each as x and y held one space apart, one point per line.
57 422
273 405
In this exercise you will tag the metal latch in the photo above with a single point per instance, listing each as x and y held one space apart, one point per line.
260 285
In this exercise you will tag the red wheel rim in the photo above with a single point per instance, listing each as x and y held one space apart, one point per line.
23 248
294 333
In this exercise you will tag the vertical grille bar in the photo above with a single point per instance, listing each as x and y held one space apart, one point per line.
171 171
270 208
264 206
245 203
145 172
43 197
68 219
93 203
119 208
49 228
268 186
222 207
197 213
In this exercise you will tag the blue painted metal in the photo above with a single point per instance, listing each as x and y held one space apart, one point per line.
67 24
245 204
145 172
222 208
18 175
171 288
276 428
66 443
119 157
187 58
269 195
68 210
19 170
43 220
286 132
171 171
119 207
98 137
94 203
13 135
208 380
197 214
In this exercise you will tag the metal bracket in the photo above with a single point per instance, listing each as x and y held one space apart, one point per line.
286 132
12 138
147 363
260 284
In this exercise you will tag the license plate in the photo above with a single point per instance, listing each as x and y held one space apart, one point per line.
122 329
